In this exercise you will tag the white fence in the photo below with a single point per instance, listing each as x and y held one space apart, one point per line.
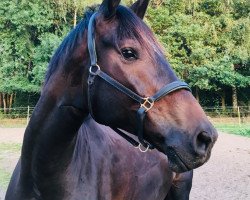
230 115
16 117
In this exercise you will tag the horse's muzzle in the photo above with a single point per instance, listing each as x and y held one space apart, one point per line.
184 156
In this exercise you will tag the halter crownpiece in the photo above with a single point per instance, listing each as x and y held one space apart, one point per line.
145 103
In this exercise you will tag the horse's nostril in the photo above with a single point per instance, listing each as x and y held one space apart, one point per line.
203 142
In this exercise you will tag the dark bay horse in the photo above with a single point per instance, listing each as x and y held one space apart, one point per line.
111 67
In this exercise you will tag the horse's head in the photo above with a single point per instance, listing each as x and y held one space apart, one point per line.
127 51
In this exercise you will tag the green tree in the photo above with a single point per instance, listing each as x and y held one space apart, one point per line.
30 32
23 24
206 43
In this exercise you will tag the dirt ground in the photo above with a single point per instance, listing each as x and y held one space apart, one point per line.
226 176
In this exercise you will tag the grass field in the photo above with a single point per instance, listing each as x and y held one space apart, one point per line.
9 153
4 178
226 125
243 129
13 123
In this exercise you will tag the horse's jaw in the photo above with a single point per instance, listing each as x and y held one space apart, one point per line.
181 153
181 162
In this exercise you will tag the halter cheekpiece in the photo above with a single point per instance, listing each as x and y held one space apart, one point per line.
145 103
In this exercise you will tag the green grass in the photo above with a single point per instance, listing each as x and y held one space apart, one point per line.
243 129
13 123
7 150
10 147
4 178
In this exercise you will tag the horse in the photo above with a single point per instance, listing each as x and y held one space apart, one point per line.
113 121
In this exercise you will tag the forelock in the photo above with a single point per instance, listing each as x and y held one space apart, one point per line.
132 27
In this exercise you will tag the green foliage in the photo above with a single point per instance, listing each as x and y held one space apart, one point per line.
30 32
241 8
42 55
207 41
21 22
212 7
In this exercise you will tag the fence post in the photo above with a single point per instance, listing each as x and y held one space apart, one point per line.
238 110
28 115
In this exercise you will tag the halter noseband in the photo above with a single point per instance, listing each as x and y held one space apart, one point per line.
145 103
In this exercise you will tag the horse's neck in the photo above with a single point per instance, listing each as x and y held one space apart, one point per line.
50 137
92 140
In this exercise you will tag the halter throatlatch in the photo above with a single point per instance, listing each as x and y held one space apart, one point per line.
145 103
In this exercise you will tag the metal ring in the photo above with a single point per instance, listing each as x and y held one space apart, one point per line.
96 72
143 150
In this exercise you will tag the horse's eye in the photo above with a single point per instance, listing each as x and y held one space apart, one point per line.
129 54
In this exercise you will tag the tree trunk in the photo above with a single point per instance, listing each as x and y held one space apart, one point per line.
11 100
234 99
4 103
223 100
14 98
1 101
197 94
7 100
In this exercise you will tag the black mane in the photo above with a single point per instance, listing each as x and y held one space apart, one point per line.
69 43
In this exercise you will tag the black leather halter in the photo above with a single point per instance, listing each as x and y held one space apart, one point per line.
145 103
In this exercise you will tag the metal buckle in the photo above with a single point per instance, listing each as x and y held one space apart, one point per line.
142 148
147 104
94 69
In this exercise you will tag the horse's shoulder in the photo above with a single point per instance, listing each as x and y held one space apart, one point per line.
114 163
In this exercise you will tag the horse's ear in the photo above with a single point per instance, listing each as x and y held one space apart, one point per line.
108 7
140 7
